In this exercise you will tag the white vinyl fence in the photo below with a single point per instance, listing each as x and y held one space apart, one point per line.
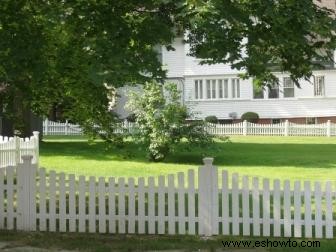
281 129
69 129
12 148
217 203
243 128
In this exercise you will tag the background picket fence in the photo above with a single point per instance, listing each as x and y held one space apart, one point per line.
216 203
280 129
12 148
69 129
243 128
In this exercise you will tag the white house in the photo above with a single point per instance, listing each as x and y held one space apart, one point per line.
218 90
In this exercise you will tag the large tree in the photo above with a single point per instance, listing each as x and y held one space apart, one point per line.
72 52
259 36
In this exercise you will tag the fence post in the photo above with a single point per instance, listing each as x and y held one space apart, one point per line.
46 127
245 128
26 180
286 128
328 128
208 198
17 150
66 127
36 146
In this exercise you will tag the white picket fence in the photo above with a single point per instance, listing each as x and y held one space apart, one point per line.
33 199
69 129
12 148
281 129
243 128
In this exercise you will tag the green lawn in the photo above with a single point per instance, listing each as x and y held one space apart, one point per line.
121 243
303 158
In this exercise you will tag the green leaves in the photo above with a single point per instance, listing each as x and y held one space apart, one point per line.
161 119
257 34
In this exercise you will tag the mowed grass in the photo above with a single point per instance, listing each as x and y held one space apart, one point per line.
127 243
293 158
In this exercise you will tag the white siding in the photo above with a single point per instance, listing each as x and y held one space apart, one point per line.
173 61
304 104
276 108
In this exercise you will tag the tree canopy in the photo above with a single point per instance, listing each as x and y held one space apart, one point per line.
256 35
75 52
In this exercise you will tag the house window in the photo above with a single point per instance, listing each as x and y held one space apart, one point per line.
276 121
208 89
223 88
319 88
288 87
273 92
220 89
198 89
235 88
213 89
226 88
311 120
258 92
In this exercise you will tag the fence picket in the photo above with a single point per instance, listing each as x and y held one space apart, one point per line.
191 202
256 207
151 206
181 203
235 204
62 203
72 203
42 200
10 198
101 205
276 208
225 204
141 205
52 201
246 206
287 210
308 210
131 206
318 210
121 206
171 205
266 208
92 205
81 204
161 205
111 205
297 209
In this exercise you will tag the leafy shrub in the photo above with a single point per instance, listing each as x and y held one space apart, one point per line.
211 119
131 117
251 117
161 120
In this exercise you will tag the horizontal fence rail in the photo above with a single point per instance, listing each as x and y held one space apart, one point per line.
219 203
12 148
243 128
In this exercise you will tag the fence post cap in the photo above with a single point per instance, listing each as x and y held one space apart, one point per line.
36 134
208 160
27 158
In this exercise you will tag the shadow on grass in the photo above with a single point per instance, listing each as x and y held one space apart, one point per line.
225 154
